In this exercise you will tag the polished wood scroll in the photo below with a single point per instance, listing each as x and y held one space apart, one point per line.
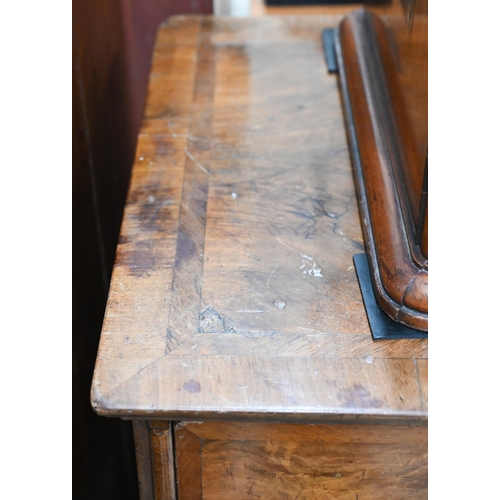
383 72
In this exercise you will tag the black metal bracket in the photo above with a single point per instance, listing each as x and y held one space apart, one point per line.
381 326
328 36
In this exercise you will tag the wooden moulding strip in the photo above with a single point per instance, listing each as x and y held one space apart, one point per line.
155 459
162 460
400 284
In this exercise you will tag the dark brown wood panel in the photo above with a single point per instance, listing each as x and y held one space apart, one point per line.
388 152
404 55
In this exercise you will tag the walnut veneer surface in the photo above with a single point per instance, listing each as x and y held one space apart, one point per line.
242 201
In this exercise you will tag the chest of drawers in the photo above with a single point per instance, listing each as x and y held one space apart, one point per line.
235 335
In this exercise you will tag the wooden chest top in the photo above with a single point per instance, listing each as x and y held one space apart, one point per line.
234 293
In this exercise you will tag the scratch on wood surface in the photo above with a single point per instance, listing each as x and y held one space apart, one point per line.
415 364
192 158
249 311
272 272
309 329
284 244
343 295
278 265
362 365
175 136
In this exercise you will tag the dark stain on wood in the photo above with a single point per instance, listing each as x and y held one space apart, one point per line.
359 396
192 386
186 249
137 259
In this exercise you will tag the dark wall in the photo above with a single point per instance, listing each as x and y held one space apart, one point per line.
112 46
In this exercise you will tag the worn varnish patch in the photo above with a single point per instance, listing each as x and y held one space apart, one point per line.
234 291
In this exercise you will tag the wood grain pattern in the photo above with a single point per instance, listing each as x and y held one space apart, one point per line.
234 293
155 460
162 460
404 59
272 388
248 460
382 160
188 464
143 459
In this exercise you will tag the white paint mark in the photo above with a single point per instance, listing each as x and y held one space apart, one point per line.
369 359
341 233
194 347
151 199
184 365
310 268
192 158
285 381
250 311
234 195
141 158
349 268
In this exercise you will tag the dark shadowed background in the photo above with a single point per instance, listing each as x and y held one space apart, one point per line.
112 47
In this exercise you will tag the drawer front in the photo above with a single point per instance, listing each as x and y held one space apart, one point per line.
218 461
